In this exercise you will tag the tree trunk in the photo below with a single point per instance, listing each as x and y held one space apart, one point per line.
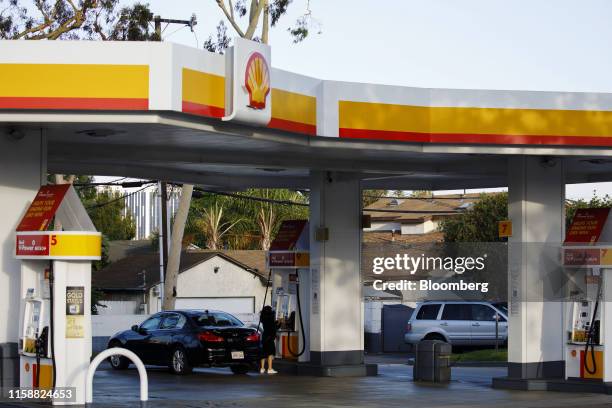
266 22
174 254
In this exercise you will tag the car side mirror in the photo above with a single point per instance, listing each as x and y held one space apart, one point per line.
135 328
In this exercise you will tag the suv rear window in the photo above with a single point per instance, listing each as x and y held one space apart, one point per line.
428 312
457 311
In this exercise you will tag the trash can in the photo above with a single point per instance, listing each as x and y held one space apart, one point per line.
432 361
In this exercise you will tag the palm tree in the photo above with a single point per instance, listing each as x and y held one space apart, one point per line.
214 228
269 216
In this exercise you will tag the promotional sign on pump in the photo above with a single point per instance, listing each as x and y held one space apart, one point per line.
55 325
289 262
588 265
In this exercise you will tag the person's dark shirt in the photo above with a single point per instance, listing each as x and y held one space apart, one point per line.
269 325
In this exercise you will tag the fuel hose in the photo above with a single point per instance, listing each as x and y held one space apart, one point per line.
590 344
590 341
299 307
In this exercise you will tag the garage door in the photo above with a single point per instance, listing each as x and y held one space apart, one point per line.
226 304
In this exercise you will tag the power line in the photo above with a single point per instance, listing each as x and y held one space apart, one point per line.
126 184
261 199
123 197
252 198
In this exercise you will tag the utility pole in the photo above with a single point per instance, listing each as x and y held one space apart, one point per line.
158 22
164 221
162 185
161 221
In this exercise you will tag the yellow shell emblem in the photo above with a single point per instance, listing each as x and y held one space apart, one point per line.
257 81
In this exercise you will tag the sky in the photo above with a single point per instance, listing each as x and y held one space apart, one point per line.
547 45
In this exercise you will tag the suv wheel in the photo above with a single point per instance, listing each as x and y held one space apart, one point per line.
435 336
179 363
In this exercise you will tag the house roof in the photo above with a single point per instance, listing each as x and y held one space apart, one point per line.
388 237
121 248
443 205
127 273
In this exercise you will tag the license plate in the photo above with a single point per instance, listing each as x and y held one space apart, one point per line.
237 355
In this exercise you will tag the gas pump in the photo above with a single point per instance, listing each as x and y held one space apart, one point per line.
55 325
288 260
587 261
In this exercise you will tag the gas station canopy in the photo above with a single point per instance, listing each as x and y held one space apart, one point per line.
154 110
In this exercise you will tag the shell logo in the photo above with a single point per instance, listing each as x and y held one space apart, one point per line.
257 81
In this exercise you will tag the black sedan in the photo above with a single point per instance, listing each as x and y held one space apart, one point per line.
183 339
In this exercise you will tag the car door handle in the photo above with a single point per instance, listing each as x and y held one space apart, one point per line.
444 324
476 324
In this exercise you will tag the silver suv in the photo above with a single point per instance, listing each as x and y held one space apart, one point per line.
460 323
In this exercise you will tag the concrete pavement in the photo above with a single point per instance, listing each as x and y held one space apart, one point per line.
393 387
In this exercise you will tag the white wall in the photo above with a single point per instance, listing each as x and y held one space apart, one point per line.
413 229
22 166
384 226
226 304
107 325
118 307
231 281
420 228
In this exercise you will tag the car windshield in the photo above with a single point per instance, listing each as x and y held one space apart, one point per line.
502 306
216 319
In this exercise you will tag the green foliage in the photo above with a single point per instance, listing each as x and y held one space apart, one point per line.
595 202
248 233
96 296
371 196
104 261
222 42
277 9
240 12
133 24
300 30
478 223
85 193
74 19
106 211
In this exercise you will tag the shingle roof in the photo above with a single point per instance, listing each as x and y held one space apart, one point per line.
444 205
127 273
121 248
388 236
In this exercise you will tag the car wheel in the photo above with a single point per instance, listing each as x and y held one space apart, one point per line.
118 362
240 369
435 336
179 363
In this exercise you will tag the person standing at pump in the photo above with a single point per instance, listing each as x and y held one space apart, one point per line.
268 349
